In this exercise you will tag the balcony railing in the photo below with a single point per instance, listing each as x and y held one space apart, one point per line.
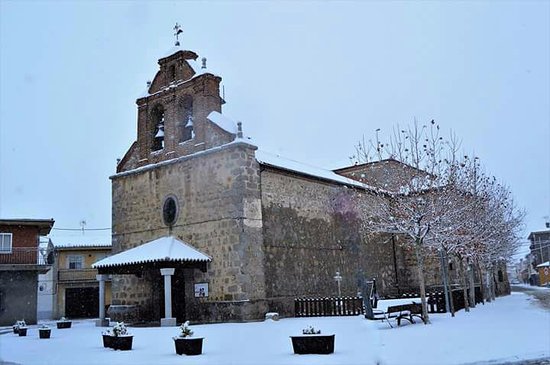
24 256
65 275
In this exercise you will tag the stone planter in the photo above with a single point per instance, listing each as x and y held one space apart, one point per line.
108 341
313 344
22 331
44 332
123 343
188 346
64 324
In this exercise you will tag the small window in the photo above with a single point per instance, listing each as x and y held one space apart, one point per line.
170 211
450 266
172 72
500 276
5 242
76 262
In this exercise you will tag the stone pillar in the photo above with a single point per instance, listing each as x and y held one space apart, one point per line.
102 321
167 320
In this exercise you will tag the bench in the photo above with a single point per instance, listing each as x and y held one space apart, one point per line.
403 311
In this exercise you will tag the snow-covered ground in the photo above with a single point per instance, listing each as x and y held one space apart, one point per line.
510 329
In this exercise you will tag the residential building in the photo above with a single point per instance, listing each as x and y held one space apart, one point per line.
21 261
540 246
75 281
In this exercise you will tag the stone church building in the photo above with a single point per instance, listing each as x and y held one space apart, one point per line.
232 231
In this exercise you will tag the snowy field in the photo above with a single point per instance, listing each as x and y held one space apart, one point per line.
508 330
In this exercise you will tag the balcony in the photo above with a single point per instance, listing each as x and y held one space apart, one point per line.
24 256
76 275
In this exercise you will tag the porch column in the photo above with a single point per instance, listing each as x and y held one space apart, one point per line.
102 321
167 320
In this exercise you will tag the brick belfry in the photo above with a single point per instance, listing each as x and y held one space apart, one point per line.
189 175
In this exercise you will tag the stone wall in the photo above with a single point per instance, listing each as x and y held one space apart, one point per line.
387 174
18 291
219 214
311 230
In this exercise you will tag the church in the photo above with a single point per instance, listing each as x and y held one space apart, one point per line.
208 227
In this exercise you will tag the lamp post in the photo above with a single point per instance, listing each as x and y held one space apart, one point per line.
338 279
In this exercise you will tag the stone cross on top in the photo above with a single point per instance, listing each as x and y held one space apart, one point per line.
177 32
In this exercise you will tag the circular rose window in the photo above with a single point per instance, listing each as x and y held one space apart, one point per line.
170 211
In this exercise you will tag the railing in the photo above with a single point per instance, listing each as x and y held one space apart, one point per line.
24 256
333 306
436 299
77 275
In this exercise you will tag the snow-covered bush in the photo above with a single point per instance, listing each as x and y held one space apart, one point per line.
19 324
311 331
120 329
185 331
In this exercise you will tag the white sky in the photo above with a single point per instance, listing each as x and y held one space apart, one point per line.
307 80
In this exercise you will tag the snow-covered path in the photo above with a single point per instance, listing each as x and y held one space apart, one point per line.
510 329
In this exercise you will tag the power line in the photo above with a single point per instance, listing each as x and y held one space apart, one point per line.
82 229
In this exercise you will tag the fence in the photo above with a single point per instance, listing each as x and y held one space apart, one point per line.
332 306
24 256
436 299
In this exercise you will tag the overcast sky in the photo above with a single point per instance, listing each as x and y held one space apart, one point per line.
307 80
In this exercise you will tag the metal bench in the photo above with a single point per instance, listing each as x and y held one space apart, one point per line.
403 311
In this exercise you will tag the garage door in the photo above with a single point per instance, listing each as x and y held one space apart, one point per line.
81 302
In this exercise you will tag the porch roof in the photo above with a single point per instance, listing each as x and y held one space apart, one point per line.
164 249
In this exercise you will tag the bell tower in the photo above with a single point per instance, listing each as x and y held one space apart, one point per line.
177 114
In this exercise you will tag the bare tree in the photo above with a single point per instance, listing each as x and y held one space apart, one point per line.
422 207
443 204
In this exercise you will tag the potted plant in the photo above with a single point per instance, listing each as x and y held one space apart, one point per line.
121 339
108 338
17 325
64 323
184 342
22 331
44 331
312 342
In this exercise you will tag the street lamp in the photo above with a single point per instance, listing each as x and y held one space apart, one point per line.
338 279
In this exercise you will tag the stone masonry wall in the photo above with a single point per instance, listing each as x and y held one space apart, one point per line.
219 214
311 230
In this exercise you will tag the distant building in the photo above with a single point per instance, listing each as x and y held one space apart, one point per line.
21 261
544 273
76 286
540 246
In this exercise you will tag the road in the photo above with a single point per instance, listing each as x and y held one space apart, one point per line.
542 295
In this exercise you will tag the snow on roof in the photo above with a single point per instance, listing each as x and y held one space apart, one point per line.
171 51
271 159
82 245
223 122
166 248
544 264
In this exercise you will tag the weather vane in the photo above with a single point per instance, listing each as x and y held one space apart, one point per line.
177 32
